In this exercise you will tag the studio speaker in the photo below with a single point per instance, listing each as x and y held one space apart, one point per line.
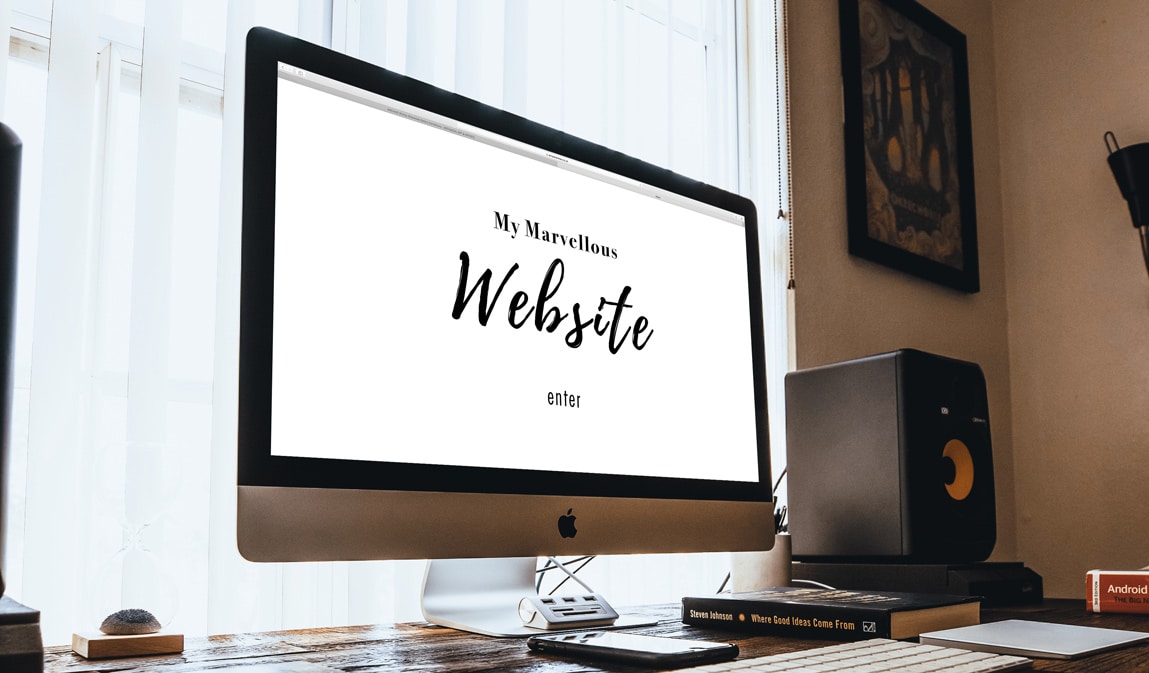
889 459
9 210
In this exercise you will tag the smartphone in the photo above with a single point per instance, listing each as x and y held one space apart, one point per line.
633 648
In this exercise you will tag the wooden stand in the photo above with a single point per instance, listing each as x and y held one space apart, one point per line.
102 646
998 583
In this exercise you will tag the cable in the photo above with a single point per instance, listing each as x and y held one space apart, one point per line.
817 584
552 562
1145 245
778 481
782 121
780 525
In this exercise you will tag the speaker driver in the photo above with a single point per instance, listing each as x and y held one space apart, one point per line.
959 482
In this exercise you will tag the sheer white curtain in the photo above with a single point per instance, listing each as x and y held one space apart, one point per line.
121 482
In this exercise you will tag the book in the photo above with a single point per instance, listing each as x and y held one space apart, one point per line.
1042 640
1117 590
798 612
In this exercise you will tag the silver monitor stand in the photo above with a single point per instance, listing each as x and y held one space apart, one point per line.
484 596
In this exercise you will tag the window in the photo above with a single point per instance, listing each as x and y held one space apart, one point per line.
122 468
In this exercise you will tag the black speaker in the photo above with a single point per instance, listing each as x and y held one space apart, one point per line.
889 459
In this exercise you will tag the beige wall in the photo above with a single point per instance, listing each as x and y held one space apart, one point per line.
1078 300
1061 325
847 307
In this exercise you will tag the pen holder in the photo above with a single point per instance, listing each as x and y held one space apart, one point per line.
757 570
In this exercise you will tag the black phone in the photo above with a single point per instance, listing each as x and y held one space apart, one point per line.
633 648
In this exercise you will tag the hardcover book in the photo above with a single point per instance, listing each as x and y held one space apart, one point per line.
797 612
1117 590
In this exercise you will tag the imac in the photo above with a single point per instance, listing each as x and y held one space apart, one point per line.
470 338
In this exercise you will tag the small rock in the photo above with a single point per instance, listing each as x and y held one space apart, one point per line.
130 622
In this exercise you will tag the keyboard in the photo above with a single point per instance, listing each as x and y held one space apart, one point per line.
874 656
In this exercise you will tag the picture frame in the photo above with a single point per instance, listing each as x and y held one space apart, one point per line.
908 149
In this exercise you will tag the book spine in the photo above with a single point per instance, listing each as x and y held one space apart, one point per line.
1117 591
786 619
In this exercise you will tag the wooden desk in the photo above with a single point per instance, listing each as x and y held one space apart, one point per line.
421 647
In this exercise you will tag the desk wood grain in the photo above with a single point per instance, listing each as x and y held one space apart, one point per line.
422 647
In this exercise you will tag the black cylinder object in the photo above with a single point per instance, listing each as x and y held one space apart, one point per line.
10 147
1130 166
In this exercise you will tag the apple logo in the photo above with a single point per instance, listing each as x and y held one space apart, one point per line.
567 524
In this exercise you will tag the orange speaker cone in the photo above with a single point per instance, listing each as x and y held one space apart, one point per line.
962 483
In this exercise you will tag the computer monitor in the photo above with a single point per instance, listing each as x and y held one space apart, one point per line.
466 335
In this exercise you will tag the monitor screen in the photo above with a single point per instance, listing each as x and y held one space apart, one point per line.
464 334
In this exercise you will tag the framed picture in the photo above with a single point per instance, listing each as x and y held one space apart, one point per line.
909 160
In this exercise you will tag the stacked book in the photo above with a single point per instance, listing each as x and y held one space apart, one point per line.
797 612
1117 590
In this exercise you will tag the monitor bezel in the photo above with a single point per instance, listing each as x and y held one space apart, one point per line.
258 467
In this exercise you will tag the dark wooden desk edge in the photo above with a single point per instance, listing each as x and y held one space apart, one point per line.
418 646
